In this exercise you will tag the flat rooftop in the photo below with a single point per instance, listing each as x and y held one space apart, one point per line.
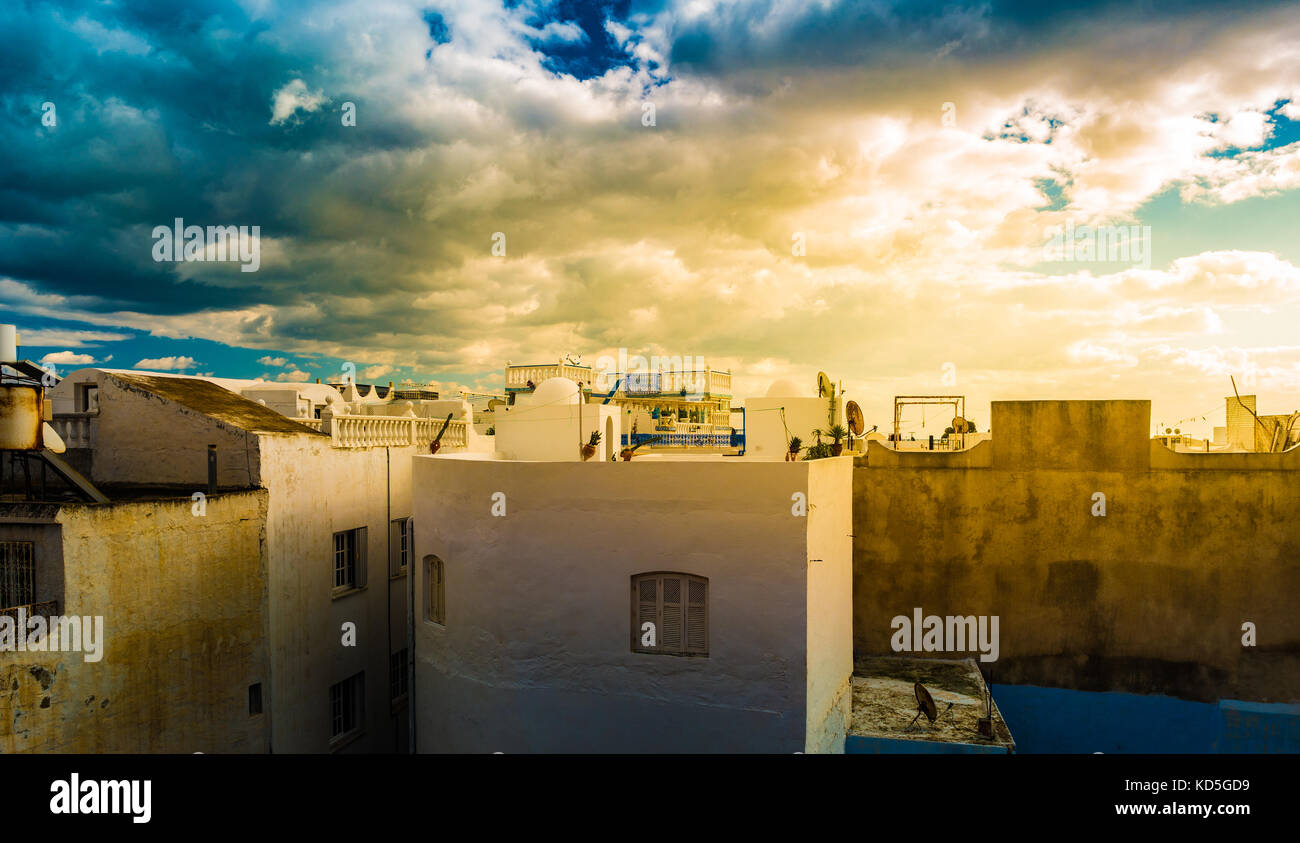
884 703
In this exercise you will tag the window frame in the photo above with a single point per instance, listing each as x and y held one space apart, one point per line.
435 590
401 532
356 558
685 605
353 689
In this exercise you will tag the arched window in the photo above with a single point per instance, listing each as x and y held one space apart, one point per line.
670 614
435 597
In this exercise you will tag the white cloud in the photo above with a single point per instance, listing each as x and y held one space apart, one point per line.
295 376
278 362
68 358
68 338
372 372
294 96
167 364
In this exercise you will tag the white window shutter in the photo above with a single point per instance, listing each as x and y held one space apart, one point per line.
363 544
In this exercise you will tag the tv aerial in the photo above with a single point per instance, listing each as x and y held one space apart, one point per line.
925 705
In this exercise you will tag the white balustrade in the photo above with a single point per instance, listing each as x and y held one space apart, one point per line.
77 430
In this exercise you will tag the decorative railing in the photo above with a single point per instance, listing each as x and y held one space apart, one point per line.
314 424
519 376
715 440
392 431
77 430
671 382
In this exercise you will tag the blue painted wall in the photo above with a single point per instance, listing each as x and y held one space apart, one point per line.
1059 720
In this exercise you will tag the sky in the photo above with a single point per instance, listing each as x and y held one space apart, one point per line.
869 189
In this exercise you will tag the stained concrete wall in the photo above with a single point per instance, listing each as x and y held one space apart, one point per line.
1149 598
535 654
183 599
315 491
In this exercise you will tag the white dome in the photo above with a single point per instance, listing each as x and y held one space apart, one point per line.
784 389
554 391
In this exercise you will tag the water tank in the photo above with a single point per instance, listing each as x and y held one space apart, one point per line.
21 417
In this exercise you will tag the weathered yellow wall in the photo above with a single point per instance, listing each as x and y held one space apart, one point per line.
1149 598
183 599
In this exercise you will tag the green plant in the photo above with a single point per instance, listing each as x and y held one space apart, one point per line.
492 431
819 451
837 432
795 444
595 438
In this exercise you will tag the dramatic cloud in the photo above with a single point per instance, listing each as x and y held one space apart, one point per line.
859 187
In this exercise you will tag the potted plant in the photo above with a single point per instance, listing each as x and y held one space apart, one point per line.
589 450
793 453
836 433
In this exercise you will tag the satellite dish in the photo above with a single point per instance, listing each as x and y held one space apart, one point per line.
494 403
925 705
854 415
959 425
51 439
825 388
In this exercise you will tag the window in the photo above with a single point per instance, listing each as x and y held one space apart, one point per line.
349 560
400 535
254 699
435 599
17 574
670 614
347 706
87 398
397 675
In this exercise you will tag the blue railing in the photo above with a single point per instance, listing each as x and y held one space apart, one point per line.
687 440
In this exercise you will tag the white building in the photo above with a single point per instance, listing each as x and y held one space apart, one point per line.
668 604
335 536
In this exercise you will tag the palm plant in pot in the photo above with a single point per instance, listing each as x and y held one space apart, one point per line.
837 433
792 454
589 450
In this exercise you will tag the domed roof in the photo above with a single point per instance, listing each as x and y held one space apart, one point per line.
784 389
554 391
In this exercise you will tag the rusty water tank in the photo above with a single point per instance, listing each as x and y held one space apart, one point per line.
21 417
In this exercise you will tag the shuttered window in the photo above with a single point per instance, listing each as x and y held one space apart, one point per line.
350 560
670 614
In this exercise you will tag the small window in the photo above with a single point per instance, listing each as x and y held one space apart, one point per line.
17 574
670 614
347 706
254 699
349 560
87 398
397 676
399 546
435 598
